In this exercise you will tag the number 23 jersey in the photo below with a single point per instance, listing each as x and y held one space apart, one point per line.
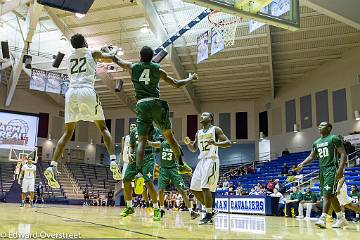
207 150
81 68
326 150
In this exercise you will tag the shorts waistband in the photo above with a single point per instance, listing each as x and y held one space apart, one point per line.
147 99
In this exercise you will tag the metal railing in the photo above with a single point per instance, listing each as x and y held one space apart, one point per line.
76 188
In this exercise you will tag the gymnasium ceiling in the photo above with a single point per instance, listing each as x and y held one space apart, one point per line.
269 58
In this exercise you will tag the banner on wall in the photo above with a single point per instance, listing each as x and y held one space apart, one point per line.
247 205
38 79
18 129
217 41
222 204
53 84
65 84
353 139
203 47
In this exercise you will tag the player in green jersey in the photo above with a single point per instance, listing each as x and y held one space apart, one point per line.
147 170
169 173
327 148
146 76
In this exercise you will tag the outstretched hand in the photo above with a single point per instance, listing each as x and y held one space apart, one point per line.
194 76
187 140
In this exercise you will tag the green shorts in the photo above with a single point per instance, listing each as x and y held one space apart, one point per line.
147 170
156 111
328 182
170 175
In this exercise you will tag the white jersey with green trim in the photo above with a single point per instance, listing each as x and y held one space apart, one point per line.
207 150
82 68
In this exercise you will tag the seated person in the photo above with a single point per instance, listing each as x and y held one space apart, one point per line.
282 202
285 152
308 203
293 203
270 185
285 170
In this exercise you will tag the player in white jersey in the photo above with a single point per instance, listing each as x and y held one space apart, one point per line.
206 175
343 197
126 149
28 172
82 102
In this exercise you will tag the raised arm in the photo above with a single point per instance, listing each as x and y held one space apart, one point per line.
192 146
122 63
99 56
307 160
222 139
343 161
174 82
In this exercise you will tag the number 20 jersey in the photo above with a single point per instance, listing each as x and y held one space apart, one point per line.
326 150
81 68
206 150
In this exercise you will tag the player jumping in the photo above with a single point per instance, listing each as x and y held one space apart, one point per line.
82 102
145 76
327 148
206 175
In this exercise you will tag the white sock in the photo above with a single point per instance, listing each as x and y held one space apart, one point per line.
53 164
112 157
209 210
156 205
190 210
129 203
339 215
162 207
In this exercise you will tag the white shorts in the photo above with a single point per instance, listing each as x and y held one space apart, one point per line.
28 185
82 104
206 175
344 199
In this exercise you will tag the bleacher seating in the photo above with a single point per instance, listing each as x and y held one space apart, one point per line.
97 178
7 179
273 170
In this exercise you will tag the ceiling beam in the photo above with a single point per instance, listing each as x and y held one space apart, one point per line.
160 32
30 24
270 60
105 77
343 11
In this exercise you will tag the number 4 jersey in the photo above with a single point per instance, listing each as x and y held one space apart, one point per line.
207 150
81 68
146 77
325 149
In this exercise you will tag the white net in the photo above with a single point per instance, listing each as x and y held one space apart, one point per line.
225 25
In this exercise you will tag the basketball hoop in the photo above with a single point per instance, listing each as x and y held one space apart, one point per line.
225 25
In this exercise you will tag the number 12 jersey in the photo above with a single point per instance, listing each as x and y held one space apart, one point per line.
207 150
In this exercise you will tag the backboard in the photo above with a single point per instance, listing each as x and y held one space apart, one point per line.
279 13
18 153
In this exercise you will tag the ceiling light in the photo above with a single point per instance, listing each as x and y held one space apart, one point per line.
79 15
120 52
145 29
296 128
357 115
261 135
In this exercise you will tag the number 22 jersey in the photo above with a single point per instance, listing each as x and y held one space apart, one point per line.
207 150
81 68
